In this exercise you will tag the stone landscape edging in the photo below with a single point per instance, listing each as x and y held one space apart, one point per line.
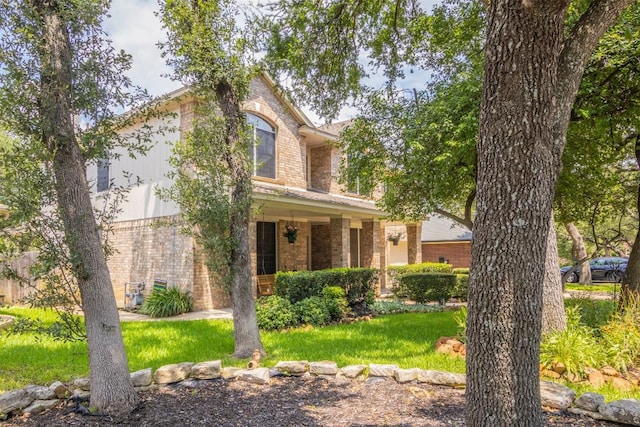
35 399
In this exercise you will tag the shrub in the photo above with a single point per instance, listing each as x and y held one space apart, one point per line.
358 284
167 302
275 313
461 289
395 271
460 271
336 301
576 347
425 287
312 311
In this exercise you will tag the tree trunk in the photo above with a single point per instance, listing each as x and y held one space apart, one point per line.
111 387
516 180
553 315
631 279
245 322
531 78
580 253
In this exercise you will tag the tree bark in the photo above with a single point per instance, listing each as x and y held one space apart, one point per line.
245 322
515 195
631 279
553 316
531 78
111 387
579 253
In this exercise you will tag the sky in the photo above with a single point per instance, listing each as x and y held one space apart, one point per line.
133 26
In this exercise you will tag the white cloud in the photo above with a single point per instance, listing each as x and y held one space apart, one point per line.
134 28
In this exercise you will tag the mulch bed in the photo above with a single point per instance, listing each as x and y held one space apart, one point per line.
302 401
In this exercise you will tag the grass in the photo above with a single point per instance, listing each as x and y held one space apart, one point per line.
406 340
597 287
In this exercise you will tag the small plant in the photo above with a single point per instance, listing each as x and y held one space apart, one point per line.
167 302
291 232
621 335
576 347
275 313
461 321
395 237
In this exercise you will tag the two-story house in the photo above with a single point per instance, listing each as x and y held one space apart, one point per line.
295 184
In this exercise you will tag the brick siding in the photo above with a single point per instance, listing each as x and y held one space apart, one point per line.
456 254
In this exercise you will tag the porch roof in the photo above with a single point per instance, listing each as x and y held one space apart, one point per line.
315 202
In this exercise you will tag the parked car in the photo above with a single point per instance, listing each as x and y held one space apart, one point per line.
605 269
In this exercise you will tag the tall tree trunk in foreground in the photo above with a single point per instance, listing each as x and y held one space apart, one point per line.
580 253
631 279
515 194
245 322
531 77
553 316
111 387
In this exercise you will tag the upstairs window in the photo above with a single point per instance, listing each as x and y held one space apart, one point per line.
263 154
102 181
354 182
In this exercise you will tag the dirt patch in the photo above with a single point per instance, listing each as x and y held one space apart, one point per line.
292 402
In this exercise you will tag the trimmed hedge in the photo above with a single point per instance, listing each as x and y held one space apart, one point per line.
395 271
357 283
425 287
460 271
461 290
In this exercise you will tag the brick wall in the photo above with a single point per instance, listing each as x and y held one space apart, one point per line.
291 150
456 254
293 256
146 250
320 168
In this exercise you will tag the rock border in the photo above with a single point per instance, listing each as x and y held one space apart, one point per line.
35 399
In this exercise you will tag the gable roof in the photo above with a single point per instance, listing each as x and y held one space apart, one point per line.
296 112
441 229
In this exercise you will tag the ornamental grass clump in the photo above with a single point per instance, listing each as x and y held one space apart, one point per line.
167 302
621 335
577 347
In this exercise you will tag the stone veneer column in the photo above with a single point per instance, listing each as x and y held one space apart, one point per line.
370 245
414 243
253 251
340 239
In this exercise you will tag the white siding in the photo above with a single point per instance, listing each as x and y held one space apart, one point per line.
151 168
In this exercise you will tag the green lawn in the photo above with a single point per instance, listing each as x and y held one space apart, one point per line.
403 339
406 340
596 287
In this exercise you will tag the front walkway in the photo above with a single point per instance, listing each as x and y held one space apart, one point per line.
225 313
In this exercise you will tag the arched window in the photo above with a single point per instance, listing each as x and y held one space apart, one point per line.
263 154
